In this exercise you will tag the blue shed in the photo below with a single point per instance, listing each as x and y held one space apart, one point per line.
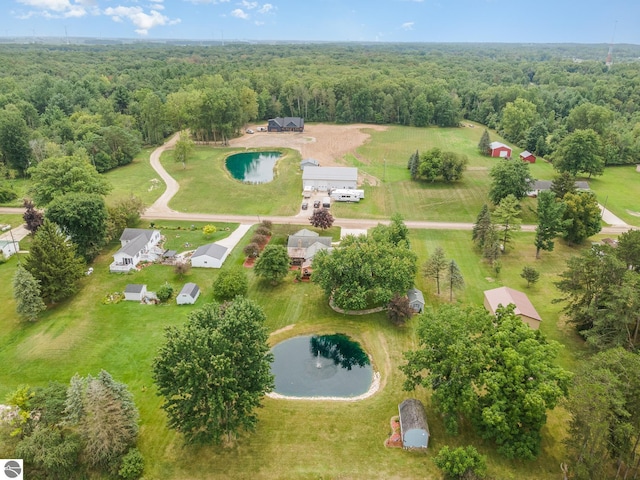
413 424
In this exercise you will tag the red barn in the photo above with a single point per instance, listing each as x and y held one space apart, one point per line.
498 149
528 157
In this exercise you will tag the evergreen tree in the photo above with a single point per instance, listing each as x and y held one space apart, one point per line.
530 274
482 227
491 247
550 222
53 261
415 163
484 145
435 266
562 184
454 278
26 291
507 217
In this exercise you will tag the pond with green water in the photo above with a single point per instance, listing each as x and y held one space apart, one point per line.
253 167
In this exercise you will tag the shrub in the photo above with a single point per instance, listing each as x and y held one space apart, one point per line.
260 239
268 224
182 268
7 194
262 230
165 292
252 250
132 465
461 463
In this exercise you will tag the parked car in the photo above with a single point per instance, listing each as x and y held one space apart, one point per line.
305 205
316 204
249 130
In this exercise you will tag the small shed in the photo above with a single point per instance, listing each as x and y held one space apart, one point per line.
497 149
211 255
8 248
135 292
416 300
309 162
188 295
504 296
527 156
413 424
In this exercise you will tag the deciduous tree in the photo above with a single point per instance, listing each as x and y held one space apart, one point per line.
230 284
462 463
629 249
183 149
399 310
517 117
273 264
582 216
435 266
32 218
53 261
321 218
494 371
580 152
14 139
214 370
509 177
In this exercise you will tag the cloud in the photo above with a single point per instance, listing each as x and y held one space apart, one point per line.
239 13
407 25
249 5
205 2
136 15
266 8
57 8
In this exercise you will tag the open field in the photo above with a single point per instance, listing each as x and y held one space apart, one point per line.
294 439
619 190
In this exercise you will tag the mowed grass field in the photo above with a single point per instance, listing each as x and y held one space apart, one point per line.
294 439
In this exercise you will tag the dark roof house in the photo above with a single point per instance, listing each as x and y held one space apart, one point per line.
304 244
286 124
414 428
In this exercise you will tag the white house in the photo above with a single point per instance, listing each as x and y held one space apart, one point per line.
309 162
135 292
416 300
544 185
8 248
137 244
188 295
211 255
329 178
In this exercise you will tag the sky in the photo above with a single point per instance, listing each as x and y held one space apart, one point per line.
505 21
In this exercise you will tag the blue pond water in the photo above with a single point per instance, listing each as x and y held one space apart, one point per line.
254 167
321 366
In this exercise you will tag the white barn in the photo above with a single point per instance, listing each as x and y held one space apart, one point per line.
137 244
188 295
330 178
211 255
135 292
8 248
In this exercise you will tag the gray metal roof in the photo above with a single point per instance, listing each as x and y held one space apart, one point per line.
305 241
412 415
546 185
134 288
130 233
190 289
213 250
309 162
134 246
330 173
415 295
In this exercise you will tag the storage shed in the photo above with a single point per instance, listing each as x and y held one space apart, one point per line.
211 255
330 178
497 149
309 162
413 424
504 296
416 300
135 292
528 157
8 248
188 295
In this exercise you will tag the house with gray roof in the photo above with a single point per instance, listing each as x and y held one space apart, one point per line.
286 124
309 162
137 244
303 245
329 178
544 185
189 294
211 255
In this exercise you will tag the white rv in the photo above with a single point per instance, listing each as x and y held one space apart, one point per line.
347 195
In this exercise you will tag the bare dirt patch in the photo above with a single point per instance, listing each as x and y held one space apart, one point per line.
326 143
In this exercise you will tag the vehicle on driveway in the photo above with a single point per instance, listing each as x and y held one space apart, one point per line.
316 204
305 205
249 130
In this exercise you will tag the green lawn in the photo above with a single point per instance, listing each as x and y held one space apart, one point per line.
11 219
294 439
207 187
619 189
137 178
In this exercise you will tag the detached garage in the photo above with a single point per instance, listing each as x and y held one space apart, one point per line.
211 255
330 178
413 424
498 149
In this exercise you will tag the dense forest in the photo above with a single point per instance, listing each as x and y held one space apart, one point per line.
105 102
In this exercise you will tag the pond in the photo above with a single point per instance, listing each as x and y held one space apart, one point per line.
253 167
321 366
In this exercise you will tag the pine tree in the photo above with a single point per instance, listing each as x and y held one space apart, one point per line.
53 261
507 217
454 278
491 247
414 164
26 291
485 142
482 226
435 265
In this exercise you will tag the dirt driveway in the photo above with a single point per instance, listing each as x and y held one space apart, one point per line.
326 143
